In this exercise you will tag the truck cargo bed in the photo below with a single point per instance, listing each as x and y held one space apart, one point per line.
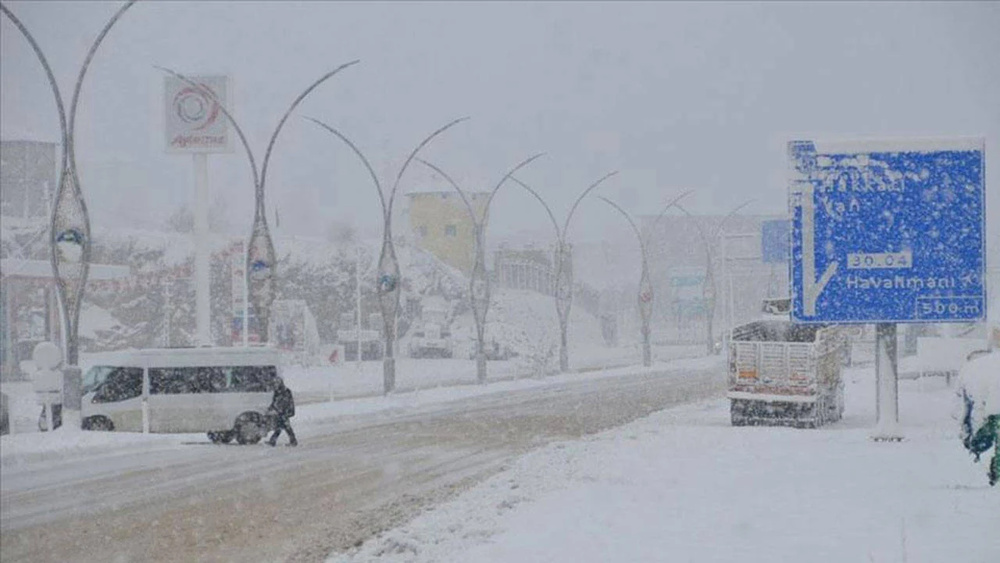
782 373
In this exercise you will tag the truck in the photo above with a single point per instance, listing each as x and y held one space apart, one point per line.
432 335
783 373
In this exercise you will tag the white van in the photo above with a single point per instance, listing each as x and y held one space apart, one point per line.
222 391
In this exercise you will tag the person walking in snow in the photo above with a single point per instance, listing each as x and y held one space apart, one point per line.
283 407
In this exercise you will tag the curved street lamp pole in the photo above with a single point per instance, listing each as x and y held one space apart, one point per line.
70 223
261 260
708 289
564 265
69 232
387 280
645 296
479 282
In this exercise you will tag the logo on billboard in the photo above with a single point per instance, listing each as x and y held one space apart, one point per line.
194 116
194 108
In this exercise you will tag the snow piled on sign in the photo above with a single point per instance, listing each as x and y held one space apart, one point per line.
980 381
682 485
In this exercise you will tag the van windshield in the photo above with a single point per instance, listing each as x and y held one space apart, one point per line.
94 377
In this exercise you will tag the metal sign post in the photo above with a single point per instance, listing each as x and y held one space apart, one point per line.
886 383
887 232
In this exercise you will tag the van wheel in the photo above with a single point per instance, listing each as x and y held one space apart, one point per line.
249 428
223 437
98 423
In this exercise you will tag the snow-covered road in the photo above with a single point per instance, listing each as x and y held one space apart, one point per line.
177 498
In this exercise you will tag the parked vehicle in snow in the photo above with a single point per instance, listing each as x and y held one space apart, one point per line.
224 392
432 335
781 373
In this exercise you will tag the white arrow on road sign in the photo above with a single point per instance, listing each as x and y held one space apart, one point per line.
810 287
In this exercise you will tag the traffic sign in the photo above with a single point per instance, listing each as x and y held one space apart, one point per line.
888 231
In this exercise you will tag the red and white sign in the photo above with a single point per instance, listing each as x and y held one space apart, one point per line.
194 120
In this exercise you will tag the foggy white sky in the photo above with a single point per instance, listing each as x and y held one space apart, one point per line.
674 95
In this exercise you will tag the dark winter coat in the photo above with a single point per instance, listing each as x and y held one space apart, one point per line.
283 403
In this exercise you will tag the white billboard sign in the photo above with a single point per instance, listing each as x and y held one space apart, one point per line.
195 122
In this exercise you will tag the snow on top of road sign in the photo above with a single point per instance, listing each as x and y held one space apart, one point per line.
837 146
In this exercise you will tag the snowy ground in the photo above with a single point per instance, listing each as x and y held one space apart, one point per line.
682 485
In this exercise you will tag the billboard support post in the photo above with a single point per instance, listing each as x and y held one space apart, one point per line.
201 262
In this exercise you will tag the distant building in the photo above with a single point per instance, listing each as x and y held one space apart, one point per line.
440 224
28 177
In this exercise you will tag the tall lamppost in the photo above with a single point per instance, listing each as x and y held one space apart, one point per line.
479 282
261 263
564 265
708 289
387 276
70 224
645 296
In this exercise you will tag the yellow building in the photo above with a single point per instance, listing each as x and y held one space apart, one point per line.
440 224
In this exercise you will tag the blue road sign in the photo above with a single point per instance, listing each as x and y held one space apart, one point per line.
774 241
888 232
